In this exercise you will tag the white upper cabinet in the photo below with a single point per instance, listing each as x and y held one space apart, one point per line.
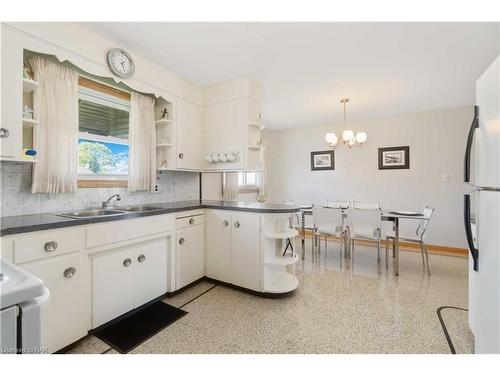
11 128
231 126
189 134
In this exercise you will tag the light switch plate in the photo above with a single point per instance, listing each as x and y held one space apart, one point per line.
445 177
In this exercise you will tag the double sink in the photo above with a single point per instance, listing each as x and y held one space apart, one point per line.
102 212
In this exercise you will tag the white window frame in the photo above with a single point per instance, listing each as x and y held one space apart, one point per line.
98 97
245 187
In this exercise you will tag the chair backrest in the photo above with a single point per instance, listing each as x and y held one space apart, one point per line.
328 216
366 215
423 224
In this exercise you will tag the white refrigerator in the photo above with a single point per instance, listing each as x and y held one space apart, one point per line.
482 212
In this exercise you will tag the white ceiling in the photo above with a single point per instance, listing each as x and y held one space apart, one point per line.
306 68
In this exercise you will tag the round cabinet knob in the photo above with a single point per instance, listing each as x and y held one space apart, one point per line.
50 246
141 258
191 221
4 133
236 224
225 223
69 272
127 262
181 240
181 155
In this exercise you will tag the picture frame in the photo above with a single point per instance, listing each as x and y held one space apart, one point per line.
322 160
394 157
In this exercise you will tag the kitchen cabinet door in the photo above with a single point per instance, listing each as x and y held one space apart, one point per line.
245 251
190 255
218 245
189 136
66 314
150 273
112 285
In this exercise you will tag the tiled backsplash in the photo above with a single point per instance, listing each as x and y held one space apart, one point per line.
16 197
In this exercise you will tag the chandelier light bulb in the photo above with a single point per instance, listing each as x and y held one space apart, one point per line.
348 135
331 138
361 137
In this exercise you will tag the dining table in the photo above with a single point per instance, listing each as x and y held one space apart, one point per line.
394 216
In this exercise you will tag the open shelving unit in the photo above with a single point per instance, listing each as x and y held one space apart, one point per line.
29 125
165 152
279 266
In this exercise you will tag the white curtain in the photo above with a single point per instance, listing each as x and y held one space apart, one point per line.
55 105
142 143
230 188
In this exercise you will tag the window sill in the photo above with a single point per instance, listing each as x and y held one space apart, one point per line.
102 183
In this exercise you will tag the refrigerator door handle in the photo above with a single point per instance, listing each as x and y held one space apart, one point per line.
468 232
470 138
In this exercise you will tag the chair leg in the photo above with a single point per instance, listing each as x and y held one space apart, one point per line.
427 259
379 268
422 251
387 253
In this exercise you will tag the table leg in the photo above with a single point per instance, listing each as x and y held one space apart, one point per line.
303 235
396 246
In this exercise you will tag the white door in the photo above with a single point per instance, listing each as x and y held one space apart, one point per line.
150 260
112 285
189 134
245 251
488 133
190 255
65 315
485 296
218 245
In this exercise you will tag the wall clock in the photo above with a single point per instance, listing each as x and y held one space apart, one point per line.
120 63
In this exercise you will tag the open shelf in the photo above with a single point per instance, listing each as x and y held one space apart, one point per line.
164 145
29 123
29 85
280 260
163 122
257 125
254 148
282 235
282 282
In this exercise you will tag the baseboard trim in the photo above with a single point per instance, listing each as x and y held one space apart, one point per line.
409 246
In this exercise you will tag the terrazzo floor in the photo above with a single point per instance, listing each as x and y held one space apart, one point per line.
338 308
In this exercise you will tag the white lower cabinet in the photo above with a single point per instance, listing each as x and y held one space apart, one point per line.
125 279
190 255
150 271
67 311
218 245
245 251
233 248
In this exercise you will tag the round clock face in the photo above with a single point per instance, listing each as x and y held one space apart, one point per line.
120 63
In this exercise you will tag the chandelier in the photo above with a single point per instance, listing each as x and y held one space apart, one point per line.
348 138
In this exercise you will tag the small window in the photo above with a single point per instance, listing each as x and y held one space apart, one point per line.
103 147
247 182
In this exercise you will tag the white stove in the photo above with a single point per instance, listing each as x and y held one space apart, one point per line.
21 298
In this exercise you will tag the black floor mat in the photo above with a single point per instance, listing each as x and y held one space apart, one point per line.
127 333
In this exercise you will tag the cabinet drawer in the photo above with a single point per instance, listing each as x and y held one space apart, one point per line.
190 221
123 230
48 243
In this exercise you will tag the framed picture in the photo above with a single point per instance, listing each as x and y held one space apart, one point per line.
394 157
322 160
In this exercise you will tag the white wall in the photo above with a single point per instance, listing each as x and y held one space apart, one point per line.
436 140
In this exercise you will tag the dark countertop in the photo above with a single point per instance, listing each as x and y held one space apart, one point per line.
31 223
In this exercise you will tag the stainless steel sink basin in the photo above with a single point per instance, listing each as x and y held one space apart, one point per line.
140 208
91 213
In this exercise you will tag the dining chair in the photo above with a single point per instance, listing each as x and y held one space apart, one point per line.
328 221
417 237
364 223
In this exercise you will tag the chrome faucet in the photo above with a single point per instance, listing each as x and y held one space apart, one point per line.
106 202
